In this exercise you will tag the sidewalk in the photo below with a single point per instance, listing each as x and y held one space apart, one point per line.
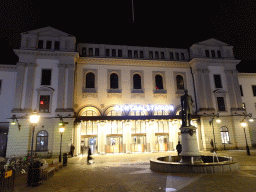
130 172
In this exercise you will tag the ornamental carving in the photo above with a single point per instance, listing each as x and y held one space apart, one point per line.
93 95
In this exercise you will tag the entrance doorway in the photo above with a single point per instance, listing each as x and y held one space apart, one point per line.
162 142
138 143
89 141
114 144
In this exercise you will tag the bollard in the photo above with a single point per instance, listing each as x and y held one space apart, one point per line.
65 159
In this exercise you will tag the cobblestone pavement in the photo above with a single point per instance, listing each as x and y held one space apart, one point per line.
130 172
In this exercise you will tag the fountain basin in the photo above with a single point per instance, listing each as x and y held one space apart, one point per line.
171 164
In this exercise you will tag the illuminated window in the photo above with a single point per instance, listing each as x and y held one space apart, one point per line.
44 103
136 81
159 82
138 127
180 82
90 80
42 141
224 135
113 81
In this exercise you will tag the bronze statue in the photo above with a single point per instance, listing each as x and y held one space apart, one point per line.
186 111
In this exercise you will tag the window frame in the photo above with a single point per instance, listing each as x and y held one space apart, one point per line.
90 90
42 69
183 74
41 91
218 85
222 135
109 73
37 147
218 104
162 74
141 90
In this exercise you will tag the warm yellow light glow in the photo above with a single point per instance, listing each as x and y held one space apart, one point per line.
13 122
243 124
218 120
61 129
251 120
34 118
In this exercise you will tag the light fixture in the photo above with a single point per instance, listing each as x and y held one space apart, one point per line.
243 124
61 129
34 118
251 120
218 120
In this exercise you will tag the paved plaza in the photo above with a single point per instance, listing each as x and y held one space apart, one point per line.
130 172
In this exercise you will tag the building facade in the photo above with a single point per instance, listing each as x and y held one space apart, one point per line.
121 99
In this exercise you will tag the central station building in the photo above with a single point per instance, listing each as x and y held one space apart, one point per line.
121 99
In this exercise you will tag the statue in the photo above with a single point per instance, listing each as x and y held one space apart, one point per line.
186 111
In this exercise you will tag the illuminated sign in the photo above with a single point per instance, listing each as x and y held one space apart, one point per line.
144 107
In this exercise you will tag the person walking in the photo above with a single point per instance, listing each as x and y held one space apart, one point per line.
89 155
72 149
179 148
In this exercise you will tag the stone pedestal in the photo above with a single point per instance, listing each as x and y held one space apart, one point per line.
190 152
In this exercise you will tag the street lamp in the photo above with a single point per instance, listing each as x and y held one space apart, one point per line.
211 123
34 118
13 121
243 124
61 130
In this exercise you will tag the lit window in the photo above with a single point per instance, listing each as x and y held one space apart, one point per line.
44 103
42 141
180 82
224 135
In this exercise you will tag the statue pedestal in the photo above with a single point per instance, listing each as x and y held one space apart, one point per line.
190 152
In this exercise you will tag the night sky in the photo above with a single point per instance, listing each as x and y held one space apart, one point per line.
161 23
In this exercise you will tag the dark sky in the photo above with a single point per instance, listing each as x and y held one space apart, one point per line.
161 23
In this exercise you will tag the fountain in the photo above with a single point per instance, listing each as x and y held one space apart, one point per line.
191 161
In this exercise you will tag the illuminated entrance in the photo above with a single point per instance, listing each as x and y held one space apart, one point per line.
114 144
138 143
162 142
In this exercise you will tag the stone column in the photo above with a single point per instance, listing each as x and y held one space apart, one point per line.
77 138
19 87
61 87
102 138
151 145
70 85
127 136
30 87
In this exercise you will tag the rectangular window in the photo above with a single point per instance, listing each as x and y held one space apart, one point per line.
254 90
182 56
120 53
217 80
221 104
150 54
83 51
136 54
177 56
46 77
90 51
141 54
207 54
213 53
57 45
241 90
48 45
171 55
219 54
107 53
44 103
156 55
97 51
113 53
40 44
129 53
162 55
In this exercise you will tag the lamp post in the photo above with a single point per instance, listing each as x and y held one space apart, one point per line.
61 130
243 124
211 123
34 118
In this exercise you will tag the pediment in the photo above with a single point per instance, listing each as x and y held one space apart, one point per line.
221 91
48 31
45 89
212 42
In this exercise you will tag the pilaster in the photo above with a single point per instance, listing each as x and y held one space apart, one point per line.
29 86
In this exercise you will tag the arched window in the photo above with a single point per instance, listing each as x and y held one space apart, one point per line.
114 81
42 141
90 80
159 82
180 82
224 134
136 81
